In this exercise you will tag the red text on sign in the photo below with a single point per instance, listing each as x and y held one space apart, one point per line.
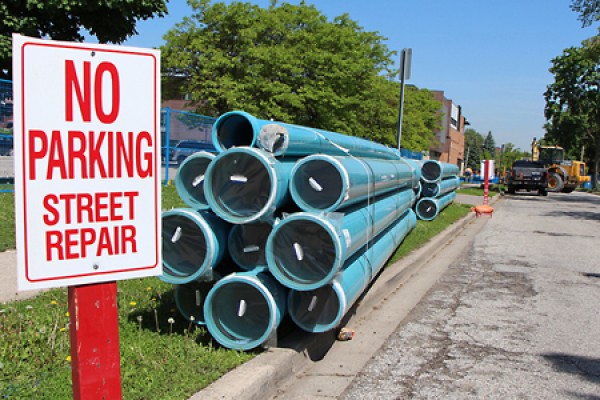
76 243
75 154
83 95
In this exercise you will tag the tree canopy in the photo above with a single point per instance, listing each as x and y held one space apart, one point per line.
109 20
588 10
289 63
573 100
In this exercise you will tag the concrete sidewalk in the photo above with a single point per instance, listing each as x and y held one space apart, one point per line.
8 283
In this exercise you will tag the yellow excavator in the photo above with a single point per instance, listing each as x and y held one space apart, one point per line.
563 175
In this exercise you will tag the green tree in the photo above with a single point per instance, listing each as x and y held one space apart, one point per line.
289 63
589 11
573 101
473 149
509 154
489 147
109 20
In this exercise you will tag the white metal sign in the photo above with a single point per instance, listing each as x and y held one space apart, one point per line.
87 159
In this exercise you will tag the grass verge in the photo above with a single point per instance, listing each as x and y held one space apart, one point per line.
163 356
475 191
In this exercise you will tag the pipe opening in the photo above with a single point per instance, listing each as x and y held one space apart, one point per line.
183 257
189 299
247 244
315 310
240 312
426 209
303 253
234 131
318 184
240 185
430 189
190 181
431 171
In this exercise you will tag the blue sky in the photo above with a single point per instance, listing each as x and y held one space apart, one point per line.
489 56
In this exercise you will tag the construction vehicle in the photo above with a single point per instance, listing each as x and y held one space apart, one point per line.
563 175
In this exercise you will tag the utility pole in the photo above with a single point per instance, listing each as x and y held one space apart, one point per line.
405 62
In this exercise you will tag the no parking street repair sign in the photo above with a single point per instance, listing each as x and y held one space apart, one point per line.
87 148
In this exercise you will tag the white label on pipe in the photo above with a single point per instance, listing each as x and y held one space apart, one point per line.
314 184
347 237
238 178
242 308
251 249
313 303
299 251
198 298
176 235
198 180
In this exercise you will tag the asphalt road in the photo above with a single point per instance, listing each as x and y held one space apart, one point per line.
516 316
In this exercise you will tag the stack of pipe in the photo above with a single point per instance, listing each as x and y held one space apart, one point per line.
308 216
439 182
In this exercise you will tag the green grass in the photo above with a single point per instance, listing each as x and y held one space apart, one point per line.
7 219
159 360
476 191
425 230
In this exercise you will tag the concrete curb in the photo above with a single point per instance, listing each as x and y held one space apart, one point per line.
262 375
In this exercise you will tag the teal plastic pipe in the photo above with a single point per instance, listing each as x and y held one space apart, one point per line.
322 182
436 189
193 244
243 310
244 185
189 180
322 309
428 208
190 298
238 128
247 244
306 250
435 171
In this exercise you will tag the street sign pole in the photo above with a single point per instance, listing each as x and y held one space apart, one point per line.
405 63
94 334
486 184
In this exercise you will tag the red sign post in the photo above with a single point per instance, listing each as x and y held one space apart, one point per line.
486 182
87 187
95 354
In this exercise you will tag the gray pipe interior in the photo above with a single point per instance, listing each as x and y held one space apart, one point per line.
314 308
429 189
326 176
247 244
184 256
190 298
240 184
426 208
431 171
235 131
315 244
225 307
188 176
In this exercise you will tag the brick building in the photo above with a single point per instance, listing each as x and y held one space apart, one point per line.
450 147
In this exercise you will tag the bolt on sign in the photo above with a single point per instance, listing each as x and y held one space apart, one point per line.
87 148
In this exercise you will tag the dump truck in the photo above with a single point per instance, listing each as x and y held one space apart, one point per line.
563 175
528 175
